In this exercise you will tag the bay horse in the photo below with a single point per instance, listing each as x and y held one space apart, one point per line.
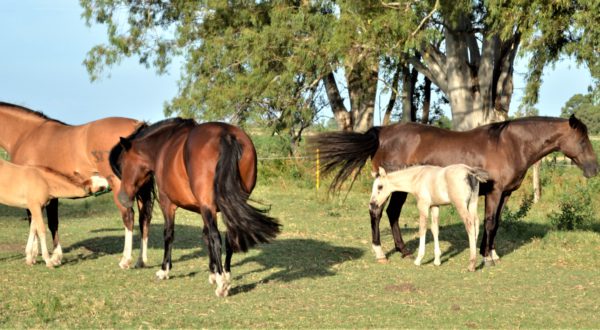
32 187
31 138
504 149
433 186
203 168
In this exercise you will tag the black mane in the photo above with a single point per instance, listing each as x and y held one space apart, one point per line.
30 111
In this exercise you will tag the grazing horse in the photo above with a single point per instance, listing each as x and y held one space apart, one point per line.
31 138
32 187
202 168
433 186
505 150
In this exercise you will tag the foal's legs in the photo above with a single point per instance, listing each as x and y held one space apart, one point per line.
435 231
37 226
466 211
168 210
52 214
423 215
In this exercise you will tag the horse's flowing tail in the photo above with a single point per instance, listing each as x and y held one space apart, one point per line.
347 150
246 225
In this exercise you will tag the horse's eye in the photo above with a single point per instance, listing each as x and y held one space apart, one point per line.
379 187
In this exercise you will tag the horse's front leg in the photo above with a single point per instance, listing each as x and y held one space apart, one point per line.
492 201
423 214
128 219
145 204
397 200
375 213
52 214
214 249
168 210
503 202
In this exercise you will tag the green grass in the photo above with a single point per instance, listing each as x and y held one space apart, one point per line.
319 273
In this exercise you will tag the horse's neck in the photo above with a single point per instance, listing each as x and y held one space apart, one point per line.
15 125
540 142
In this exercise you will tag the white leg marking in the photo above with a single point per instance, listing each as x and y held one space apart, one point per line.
421 253
494 255
163 274
57 255
143 257
435 230
29 257
212 278
126 259
222 286
379 255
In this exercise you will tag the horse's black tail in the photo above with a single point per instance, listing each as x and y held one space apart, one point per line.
347 150
246 225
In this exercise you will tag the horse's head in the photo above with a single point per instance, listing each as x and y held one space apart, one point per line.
576 145
132 167
381 189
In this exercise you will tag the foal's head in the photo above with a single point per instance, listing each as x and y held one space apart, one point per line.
381 188
132 166
576 145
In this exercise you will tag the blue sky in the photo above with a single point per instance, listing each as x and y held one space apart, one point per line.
44 42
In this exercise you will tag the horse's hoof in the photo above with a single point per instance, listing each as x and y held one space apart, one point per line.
125 263
140 264
383 261
223 291
162 275
29 262
212 278
437 262
49 264
488 262
417 262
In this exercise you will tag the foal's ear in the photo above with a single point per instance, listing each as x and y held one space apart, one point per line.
126 144
382 171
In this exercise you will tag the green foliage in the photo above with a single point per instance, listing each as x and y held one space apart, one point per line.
576 208
586 108
510 217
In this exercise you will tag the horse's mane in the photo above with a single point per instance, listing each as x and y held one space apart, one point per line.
165 124
496 129
145 130
30 111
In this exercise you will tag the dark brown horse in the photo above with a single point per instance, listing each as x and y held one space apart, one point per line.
31 138
203 168
505 150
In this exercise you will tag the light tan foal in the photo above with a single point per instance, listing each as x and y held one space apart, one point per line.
32 187
433 186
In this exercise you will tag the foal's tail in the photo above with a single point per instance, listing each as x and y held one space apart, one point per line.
246 225
479 174
347 150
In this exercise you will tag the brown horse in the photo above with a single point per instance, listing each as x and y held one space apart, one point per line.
32 187
203 168
505 150
31 138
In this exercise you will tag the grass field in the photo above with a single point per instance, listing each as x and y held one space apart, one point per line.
319 273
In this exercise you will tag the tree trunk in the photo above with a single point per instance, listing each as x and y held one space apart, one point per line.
426 101
342 116
387 116
362 84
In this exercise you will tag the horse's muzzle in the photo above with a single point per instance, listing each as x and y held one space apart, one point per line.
124 199
590 170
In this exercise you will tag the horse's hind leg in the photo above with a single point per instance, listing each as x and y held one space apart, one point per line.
214 249
435 231
228 255
52 214
397 200
212 267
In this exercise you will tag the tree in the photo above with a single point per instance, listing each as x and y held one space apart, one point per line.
586 108
283 61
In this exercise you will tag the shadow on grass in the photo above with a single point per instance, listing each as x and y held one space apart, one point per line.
295 259
510 237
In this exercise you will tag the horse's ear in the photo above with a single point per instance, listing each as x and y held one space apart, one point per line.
126 144
573 121
382 171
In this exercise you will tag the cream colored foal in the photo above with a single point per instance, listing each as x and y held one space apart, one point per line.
433 186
